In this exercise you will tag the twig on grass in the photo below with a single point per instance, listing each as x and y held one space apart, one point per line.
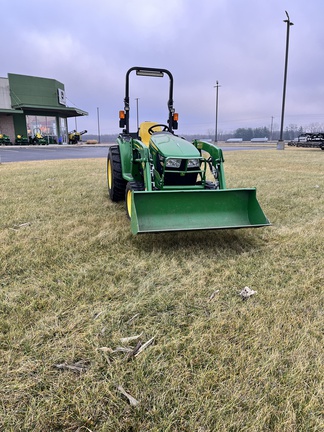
106 349
132 401
130 338
83 427
144 346
213 295
118 349
23 225
16 227
97 315
132 319
131 352
123 349
139 348
80 366
134 351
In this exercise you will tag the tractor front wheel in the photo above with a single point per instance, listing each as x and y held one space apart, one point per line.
116 183
131 186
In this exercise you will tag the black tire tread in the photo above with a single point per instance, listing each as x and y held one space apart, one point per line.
133 186
117 191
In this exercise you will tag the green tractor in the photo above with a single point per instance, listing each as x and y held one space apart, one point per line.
5 140
38 138
171 184
21 140
75 137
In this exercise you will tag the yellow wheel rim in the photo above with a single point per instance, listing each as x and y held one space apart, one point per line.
109 174
129 203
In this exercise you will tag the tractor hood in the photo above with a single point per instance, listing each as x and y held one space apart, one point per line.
169 145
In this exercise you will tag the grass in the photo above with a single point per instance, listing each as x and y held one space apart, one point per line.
74 281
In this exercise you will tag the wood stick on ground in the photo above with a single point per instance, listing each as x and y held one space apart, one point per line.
132 319
132 401
134 351
213 295
76 367
130 338
144 346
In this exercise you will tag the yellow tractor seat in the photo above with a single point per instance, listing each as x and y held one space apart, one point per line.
143 131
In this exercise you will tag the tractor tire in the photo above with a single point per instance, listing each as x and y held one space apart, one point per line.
209 185
115 181
131 186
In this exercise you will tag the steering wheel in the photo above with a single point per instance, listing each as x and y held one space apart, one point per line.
163 126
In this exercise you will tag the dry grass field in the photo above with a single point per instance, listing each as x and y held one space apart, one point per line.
79 294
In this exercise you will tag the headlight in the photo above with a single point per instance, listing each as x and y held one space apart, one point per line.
193 163
173 163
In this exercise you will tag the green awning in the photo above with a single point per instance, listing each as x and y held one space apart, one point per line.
10 111
50 110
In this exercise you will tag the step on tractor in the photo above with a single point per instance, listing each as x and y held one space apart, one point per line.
171 184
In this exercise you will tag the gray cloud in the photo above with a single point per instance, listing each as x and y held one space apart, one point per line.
89 46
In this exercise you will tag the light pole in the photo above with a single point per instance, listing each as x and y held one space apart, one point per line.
137 112
98 125
271 128
281 142
216 114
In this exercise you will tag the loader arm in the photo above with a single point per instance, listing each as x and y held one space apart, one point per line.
143 163
216 159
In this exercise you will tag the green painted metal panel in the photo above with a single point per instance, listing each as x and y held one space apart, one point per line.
172 146
185 210
30 90
20 125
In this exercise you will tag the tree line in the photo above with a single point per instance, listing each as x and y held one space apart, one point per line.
291 132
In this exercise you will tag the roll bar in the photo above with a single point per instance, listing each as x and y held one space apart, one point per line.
150 72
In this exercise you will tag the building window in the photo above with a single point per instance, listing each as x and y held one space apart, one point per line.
44 125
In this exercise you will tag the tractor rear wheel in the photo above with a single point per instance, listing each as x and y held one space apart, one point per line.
131 186
116 183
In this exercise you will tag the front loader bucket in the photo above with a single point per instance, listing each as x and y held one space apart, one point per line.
185 210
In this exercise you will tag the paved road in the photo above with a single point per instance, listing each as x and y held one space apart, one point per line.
50 152
54 152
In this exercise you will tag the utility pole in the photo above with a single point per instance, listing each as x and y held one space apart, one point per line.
271 128
216 114
281 143
98 125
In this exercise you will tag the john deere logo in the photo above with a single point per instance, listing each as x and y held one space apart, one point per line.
61 96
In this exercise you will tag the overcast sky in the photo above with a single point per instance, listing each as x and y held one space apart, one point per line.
89 46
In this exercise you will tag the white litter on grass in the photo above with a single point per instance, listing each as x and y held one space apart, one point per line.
247 292
213 295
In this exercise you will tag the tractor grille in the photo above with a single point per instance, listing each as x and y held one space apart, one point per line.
180 176
174 179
